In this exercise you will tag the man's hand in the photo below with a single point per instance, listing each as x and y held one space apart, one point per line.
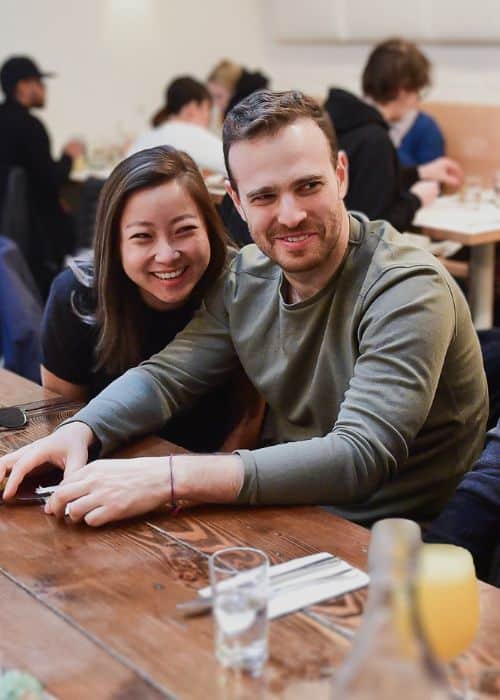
112 489
74 149
426 191
443 170
67 448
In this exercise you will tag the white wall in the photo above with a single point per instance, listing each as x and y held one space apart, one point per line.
114 57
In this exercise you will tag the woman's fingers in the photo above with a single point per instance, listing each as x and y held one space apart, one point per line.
22 466
7 461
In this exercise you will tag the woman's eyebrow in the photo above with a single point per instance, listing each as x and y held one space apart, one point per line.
139 223
181 217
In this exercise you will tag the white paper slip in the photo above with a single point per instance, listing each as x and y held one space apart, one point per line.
284 602
306 580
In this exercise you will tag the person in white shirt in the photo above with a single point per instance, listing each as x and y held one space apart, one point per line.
183 123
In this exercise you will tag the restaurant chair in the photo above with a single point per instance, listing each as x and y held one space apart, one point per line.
85 217
20 313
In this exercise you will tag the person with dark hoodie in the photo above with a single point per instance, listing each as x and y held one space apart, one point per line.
393 78
471 518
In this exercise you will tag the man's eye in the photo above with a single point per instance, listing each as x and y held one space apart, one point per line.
311 186
262 198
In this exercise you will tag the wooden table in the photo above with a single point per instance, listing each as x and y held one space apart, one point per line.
447 219
92 614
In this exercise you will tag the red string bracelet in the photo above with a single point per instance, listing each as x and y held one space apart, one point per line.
173 503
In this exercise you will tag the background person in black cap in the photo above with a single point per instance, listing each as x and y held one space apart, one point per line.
24 142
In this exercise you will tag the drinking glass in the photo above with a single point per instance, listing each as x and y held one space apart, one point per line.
240 581
472 191
496 188
448 598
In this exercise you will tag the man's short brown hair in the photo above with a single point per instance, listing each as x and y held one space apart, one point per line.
264 113
394 65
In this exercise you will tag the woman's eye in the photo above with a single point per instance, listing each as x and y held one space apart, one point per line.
186 230
140 236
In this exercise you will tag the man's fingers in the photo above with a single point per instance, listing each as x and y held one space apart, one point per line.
77 510
99 516
66 494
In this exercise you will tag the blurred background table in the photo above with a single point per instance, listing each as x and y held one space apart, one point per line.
448 219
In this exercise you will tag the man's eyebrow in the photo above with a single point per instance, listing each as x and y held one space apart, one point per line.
307 178
268 189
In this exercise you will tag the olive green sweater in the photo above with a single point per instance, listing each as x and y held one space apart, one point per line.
375 386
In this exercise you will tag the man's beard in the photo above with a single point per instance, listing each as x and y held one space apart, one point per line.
327 231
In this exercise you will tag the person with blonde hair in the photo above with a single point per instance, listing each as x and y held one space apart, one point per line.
229 83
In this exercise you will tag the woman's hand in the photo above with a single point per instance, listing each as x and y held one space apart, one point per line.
112 489
67 448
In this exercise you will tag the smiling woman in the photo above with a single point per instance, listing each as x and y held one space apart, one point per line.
159 245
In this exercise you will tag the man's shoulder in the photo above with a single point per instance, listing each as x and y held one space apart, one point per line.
393 256
251 262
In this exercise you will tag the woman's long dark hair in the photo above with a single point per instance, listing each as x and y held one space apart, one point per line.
119 304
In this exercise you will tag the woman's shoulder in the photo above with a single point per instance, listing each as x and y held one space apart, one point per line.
73 288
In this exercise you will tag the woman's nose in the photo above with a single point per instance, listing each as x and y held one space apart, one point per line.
166 252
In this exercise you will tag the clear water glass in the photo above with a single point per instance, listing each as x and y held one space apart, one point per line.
496 188
239 577
472 191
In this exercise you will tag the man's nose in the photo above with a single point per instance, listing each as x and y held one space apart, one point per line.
290 213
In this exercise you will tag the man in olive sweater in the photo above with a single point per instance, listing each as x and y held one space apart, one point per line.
361 345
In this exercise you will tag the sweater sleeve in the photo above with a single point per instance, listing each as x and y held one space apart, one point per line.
200 358
404 335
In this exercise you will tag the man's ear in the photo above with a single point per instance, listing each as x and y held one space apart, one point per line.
235 197
342 172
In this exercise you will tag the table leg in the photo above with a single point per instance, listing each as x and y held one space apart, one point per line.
482 279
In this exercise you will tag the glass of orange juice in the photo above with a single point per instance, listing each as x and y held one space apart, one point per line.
447 596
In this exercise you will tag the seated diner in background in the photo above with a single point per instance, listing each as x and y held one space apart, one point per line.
183 123
361 345
471 518
158 246
25 147
418 138
379 187
229 83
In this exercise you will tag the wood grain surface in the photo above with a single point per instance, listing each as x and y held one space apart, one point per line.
92 612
